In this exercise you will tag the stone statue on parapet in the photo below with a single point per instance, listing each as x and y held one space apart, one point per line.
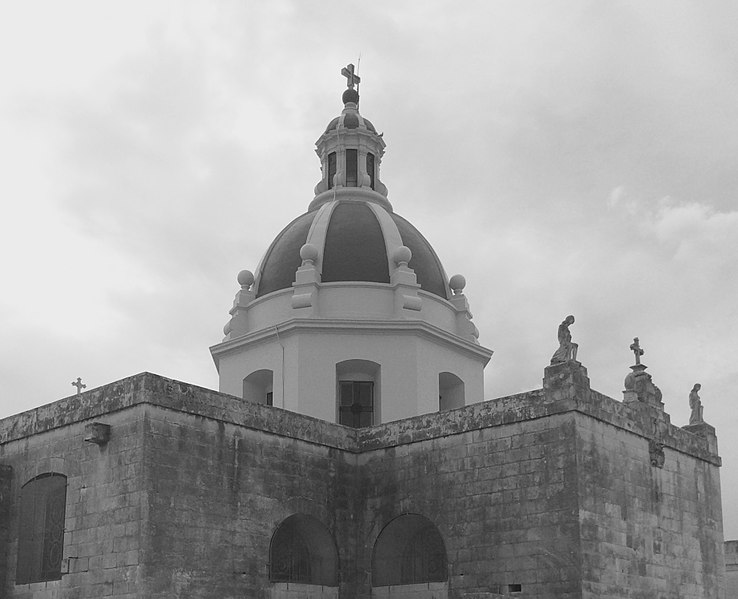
567 350
695 405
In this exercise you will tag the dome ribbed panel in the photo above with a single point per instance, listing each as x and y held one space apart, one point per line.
354 246
283 257
332 125
424 262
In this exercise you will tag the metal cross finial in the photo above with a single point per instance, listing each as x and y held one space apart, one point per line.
79 384
351 78
635 347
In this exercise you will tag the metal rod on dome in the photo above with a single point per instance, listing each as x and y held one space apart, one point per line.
358 83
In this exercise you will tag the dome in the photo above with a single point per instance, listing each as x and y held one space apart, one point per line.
356 241
349 316
350 120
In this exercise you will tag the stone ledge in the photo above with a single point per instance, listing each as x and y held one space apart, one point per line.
151 389
648 422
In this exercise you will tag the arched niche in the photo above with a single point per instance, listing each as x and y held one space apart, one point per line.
450 391
409 551
358 392
257 387
302 550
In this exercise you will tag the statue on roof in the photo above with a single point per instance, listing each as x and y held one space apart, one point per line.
567 350
695 405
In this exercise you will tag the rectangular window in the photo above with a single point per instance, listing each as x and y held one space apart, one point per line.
352 171
41 532
270 398
370 169
331 169
356 403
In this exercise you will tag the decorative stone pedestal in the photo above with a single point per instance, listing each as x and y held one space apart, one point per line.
705 431
640 388
566 380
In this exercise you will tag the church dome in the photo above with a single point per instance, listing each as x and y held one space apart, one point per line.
356 241
350 221
349 316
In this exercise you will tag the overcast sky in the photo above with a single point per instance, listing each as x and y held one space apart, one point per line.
568 157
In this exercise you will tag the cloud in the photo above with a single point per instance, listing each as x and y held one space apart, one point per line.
575 158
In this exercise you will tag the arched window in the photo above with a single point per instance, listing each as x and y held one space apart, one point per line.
409 550
370 168
450 391
258 386
352 168
303 550
358 393
41 531
331 169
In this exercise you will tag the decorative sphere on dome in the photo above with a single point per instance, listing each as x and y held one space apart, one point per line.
350 95
309 252
245 278
457 284
402 255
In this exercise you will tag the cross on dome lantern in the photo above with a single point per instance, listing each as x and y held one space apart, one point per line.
351 77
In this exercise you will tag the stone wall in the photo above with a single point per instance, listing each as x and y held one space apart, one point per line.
218 491
503 497
104 507
183 499
6 502
731 569
550 493
647 530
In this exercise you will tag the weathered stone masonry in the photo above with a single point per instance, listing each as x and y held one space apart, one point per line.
552 492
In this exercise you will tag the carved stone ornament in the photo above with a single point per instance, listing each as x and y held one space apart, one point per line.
97 433
656 453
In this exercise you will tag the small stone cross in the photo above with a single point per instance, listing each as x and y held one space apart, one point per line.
79 384
635 347
351 78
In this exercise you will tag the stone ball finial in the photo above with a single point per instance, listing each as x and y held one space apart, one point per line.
350 95
402 255
245 279
457 284
309 252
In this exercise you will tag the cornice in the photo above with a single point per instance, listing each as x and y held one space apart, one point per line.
345 325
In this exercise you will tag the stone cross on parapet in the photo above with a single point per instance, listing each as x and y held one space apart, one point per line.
351 78
635 347
79 384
